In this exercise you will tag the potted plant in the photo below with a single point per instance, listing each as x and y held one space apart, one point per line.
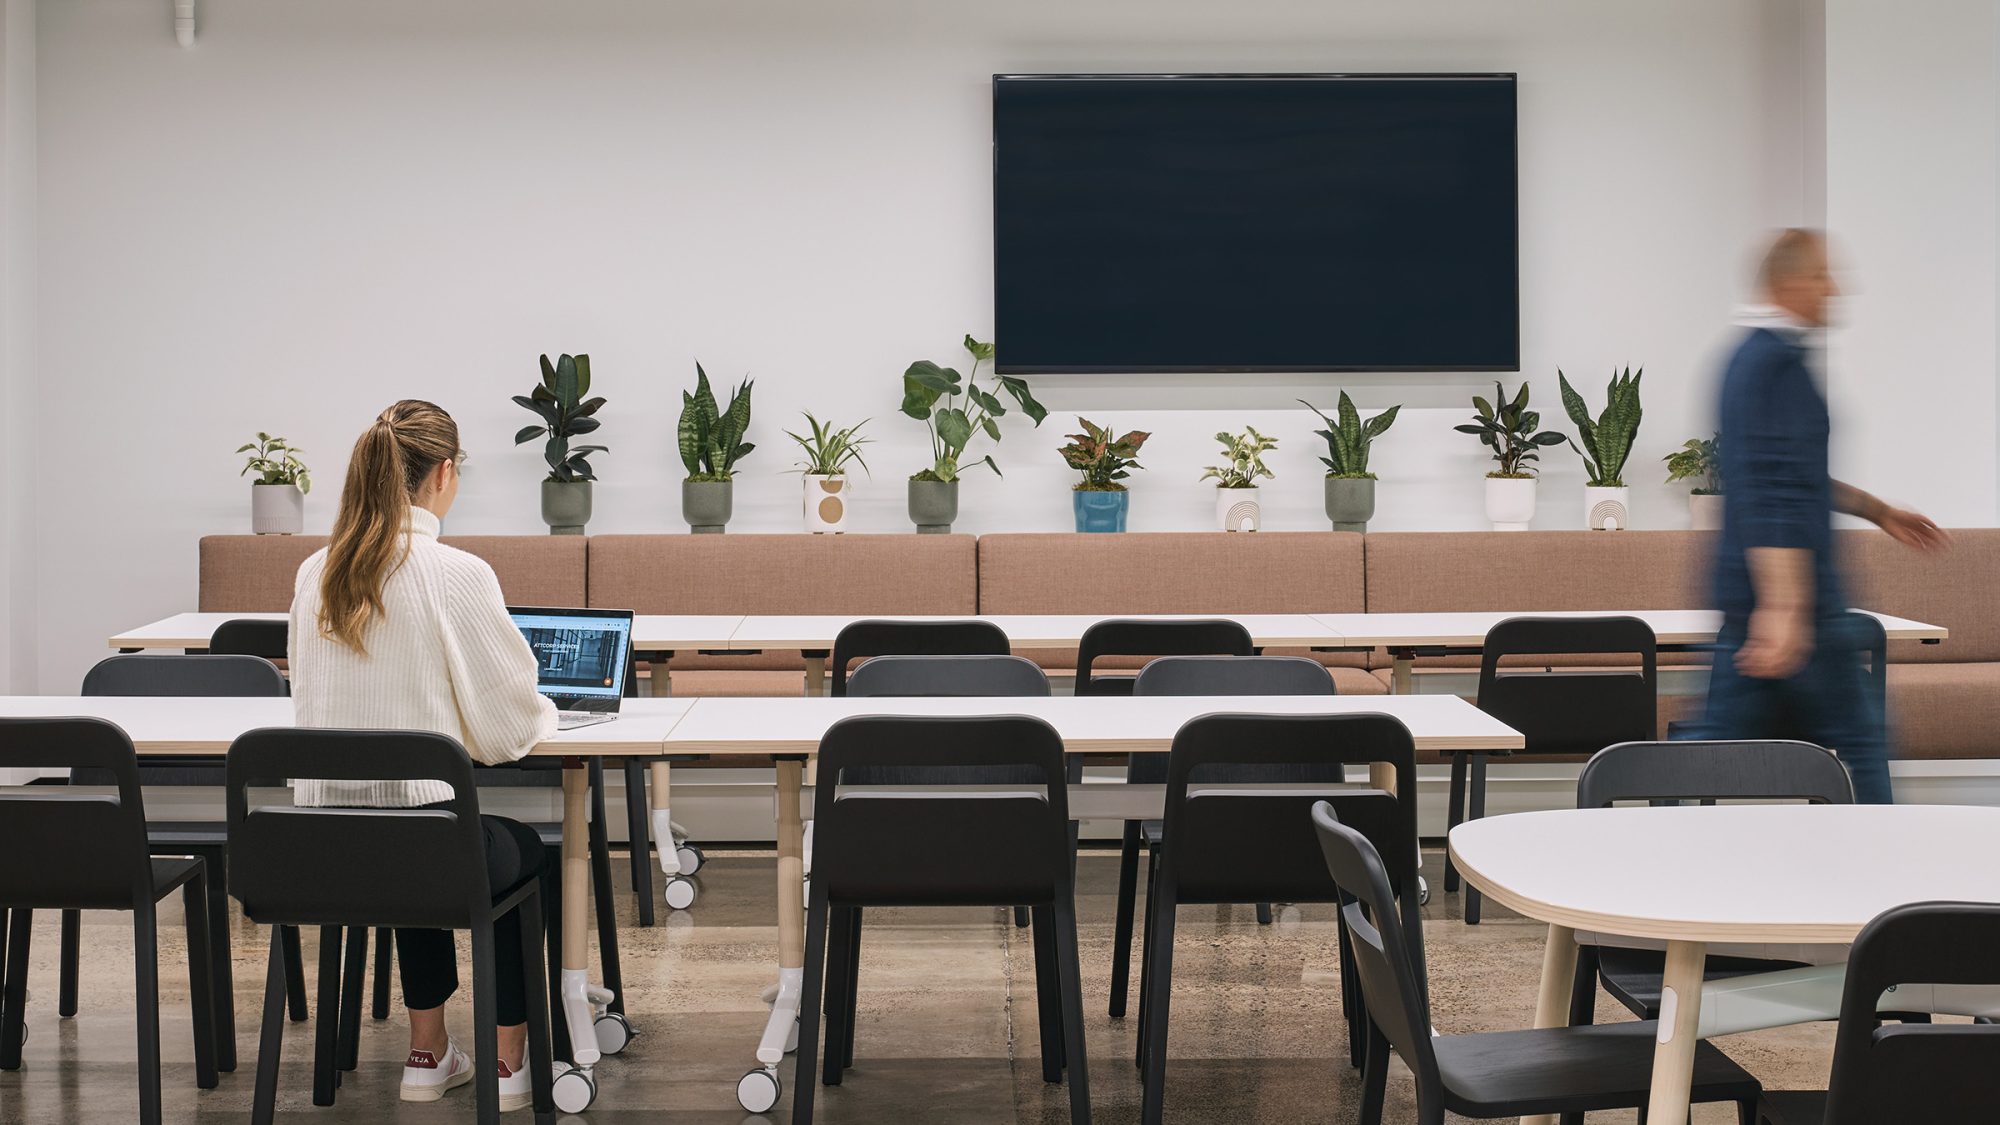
711 442
828 451
1700 461
1099 501
1607 442
1236 506
1350 487
278 495
1508 428
931 394
565 414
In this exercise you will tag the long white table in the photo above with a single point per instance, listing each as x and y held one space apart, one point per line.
1695 876
651 632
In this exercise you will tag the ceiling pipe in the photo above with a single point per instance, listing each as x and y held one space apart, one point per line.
184 22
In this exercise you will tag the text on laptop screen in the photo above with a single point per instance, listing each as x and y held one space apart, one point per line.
577 656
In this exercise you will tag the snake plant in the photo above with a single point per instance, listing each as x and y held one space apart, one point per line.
1348 438
1607 441
712 439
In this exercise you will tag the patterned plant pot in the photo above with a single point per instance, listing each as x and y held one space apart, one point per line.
825 504
1607 509
1237 509
1100 511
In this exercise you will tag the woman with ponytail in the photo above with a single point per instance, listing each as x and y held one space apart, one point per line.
391 629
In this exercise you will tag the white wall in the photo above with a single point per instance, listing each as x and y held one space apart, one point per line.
18 330
321 208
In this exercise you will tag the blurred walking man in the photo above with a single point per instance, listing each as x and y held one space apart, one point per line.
1788 664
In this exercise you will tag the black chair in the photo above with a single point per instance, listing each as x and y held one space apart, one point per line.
74 851
1558 711
1133 637
939 676
374 884
184 676
1912 1072
937 849
1199 675
1256 845
1495 1073
860 640
247 636
1872 642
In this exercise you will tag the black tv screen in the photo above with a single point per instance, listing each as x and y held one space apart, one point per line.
1163 223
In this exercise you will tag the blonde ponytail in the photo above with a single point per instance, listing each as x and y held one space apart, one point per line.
389 465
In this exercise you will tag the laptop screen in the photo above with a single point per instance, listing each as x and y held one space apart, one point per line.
578 655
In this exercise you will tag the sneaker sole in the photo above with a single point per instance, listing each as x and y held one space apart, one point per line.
512 1102
433 1093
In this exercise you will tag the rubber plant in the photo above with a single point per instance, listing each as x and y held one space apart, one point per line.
711 439
1606 441
957 408
1508 428
565 414
1348 438
1102 459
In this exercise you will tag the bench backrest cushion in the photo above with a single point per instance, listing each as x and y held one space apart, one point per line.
1955 589
254 573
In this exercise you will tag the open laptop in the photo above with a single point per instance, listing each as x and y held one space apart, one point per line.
582 659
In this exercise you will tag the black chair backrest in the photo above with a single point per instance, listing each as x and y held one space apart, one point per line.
1713 771
980 847
1572 712
1910 1071
351 866
859 640
250 637
1391 985
65 849
1233 675
185 676
1257 846
1126 637
911 677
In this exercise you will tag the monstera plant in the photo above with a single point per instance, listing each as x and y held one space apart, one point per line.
1606 443
1350 487
711 441
565 413
957 410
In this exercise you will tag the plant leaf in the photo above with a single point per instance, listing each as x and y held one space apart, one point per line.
529 433
1019 389
954 428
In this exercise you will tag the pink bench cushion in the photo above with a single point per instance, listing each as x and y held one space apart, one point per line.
254 573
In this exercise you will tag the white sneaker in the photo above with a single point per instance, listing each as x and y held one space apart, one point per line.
426 1077
515 1090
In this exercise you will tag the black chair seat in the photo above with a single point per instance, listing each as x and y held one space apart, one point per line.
170 874
1152 832
1792 1107
189 833
1632 976
1608 1066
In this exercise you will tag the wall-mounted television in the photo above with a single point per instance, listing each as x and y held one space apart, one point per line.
1255 222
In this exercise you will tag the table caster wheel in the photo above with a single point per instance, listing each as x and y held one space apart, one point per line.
680 892
690 857
614 1032
574 1090
1423 892
792 1038
757 1091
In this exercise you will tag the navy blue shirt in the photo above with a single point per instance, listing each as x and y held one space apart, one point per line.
1774 467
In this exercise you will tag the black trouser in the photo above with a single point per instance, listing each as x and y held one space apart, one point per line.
430 957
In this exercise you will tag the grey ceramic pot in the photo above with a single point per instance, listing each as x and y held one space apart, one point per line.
566 506
706 504
933 506
1350 502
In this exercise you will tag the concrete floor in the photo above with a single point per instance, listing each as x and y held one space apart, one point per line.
947 1027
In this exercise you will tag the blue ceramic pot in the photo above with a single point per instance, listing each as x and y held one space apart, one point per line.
1100 511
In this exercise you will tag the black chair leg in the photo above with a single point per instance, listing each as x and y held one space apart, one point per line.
541 1067
1374 1078
559 1044
1069 973
485 1025
812 991
854 919
271 1034
601 896
326 1076
1048 996
1121 931
351 978
639 834
1159 991
839 996
1583 988
385 951
201 981
21 924
1263 913
222 971
146 973
1454 814
1021 919
295 973
1475 799
72 945
1146 960
1350 999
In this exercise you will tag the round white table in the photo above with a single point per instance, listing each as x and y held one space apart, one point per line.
1801 874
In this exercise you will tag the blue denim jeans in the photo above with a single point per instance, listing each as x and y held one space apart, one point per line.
1831 702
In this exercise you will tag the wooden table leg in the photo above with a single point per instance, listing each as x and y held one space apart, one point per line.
791 868
575 867
1400 667
1552 1002
663 680
815 675
1680 1017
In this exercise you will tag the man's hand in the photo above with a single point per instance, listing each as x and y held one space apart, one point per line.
1912 529
1779 641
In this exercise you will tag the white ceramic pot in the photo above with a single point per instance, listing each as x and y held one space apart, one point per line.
1510 502
825 504
1237 509
277 509
1706 511
1607 509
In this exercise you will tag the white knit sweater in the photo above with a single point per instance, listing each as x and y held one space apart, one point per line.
443 656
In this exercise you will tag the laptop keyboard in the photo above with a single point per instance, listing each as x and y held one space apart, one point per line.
570 720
